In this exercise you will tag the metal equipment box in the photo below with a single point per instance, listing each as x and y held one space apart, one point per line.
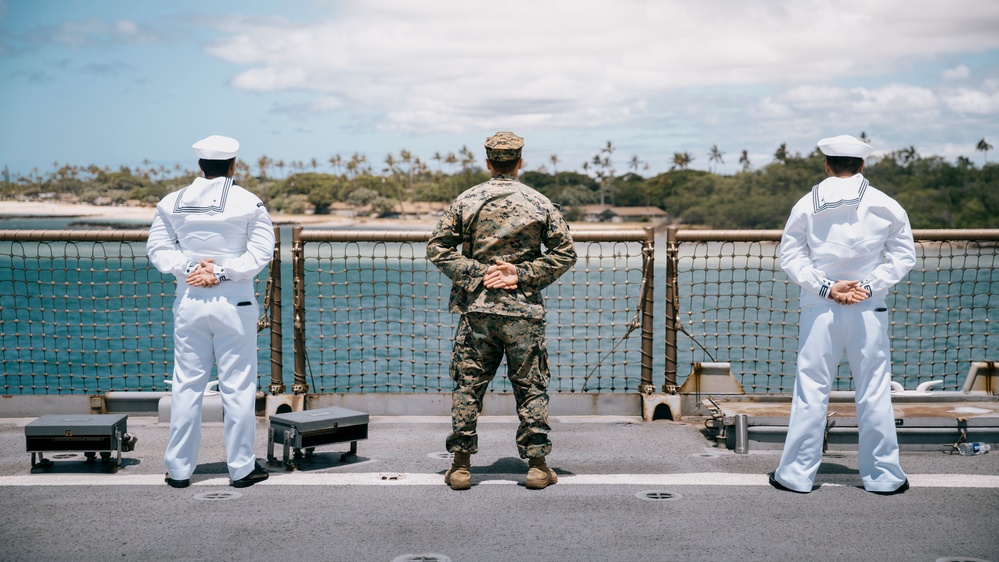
89 433
311 428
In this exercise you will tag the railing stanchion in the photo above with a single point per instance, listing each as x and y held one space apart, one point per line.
300 386
648 304
274 311
672 317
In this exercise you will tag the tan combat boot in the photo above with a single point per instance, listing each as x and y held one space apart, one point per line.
539 475
458 476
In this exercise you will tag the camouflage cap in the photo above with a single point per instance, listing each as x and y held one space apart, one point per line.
503 147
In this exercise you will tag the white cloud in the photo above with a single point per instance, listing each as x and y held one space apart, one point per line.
767 107
825 102
269 79
894 98
452 65
126 27
973 101
958 72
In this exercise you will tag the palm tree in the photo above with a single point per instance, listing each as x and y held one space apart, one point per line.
358 165
605 171
681 160
264 162
715 155
336 161
391 163
467 158
744 160
554 160
864 137
781 154
635 163
984 147
908 155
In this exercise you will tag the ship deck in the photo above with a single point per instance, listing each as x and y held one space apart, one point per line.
628 490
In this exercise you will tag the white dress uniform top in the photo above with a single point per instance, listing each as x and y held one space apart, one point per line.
218 220
845 229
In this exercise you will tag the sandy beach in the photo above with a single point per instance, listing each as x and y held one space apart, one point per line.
120 213
139 215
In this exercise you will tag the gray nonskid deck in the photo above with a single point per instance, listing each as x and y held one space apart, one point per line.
628 490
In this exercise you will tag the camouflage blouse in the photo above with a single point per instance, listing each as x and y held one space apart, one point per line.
502 219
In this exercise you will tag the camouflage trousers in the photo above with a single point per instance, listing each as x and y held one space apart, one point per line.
479 346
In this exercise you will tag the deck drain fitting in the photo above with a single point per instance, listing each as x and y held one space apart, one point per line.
657 496
422 558
217 496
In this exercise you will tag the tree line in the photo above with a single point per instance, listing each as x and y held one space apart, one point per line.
936 193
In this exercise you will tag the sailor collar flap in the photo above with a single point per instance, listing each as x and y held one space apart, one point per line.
203 196
839 192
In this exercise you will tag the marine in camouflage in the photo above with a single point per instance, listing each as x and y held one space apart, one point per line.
501 220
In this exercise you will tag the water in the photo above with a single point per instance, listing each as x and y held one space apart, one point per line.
388 330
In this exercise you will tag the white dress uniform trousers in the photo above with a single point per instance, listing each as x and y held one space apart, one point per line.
828 333
213 325
844 230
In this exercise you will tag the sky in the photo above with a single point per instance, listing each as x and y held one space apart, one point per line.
130 83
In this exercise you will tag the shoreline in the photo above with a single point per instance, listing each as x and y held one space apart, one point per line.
139 215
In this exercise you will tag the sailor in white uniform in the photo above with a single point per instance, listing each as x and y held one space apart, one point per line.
215 237
846 244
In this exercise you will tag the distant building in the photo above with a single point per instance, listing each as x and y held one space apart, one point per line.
421 209
610 213
593 213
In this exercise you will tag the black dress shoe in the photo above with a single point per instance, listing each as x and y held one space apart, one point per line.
259 474
901 489
177 483
781 487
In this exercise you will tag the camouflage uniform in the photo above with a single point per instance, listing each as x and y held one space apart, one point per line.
506 220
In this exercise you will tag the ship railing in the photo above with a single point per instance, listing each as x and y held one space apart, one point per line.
83 312
372 314
727 300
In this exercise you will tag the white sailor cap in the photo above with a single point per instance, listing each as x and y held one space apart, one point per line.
216 147
845 145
